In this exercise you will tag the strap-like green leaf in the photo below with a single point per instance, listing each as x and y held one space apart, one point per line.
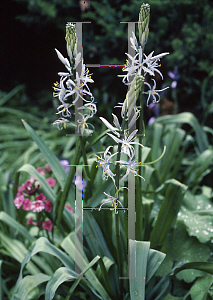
50 157
29 283
139 252
205 266
188 118
69 246
42 244
168 212
143 264
61 275
16 225
155 258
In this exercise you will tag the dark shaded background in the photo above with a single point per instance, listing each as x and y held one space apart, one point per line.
31 29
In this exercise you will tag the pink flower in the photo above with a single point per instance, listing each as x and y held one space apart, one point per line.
27 204
39 170
69 208
48 225
37 206
51 181
28 185
48 205
47 168
30 220
32 179
18 201
41 197
21 189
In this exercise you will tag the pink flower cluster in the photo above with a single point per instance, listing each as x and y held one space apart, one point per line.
29 198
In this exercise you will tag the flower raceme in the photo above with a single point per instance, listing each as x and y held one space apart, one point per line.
73 84
140 65
137 67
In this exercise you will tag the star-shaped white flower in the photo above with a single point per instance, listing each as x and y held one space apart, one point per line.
152 63
61 123
78 88
153 92
126 143
60 91
91 106
130 166
105 164
83 125
140 63
114 201
64 110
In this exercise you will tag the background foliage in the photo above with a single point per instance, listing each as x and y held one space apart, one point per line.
183 28
177 223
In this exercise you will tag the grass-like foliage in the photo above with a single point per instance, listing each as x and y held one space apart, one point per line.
69 227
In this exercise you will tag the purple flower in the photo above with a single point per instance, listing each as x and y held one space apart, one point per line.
175 76
79 182
151 120
65 164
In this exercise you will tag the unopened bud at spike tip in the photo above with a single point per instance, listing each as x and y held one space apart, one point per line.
143 25
70 39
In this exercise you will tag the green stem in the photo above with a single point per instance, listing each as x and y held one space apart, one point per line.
141 126
68 183
16 182
86 168
117 217
139 203
87 172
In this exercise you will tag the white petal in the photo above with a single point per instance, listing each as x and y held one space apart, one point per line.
78 59
116 122
159 56
62 59
108 125
132 135
63 74
114 138
133 120
106 151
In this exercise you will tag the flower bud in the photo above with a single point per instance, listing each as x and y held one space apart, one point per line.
143 25
132 95
71 40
